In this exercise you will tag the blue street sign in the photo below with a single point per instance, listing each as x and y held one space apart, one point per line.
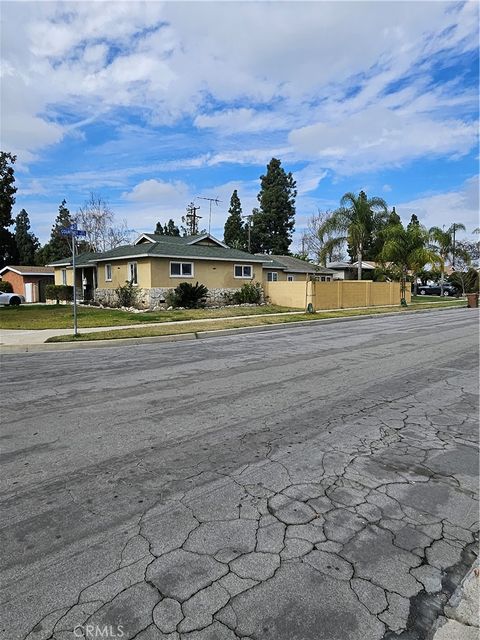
80 233
73 231
66 231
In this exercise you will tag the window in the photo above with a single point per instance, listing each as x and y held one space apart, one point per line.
108 273
64 276
181 269
290 278
242 271
132 272
272 276
325 278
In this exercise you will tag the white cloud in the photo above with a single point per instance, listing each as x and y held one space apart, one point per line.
171 60
441 209
158 191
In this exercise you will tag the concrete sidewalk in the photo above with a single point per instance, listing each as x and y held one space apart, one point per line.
26 337
461 619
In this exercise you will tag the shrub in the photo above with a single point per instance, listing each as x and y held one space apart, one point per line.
187 295
126 295
250 293
465 281
6 287
59 292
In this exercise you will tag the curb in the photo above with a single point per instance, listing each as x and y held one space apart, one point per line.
113 342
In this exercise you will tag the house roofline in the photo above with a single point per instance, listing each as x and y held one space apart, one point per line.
182 257
27 273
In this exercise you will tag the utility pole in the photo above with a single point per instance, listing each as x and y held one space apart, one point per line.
210 200
192 219
74 233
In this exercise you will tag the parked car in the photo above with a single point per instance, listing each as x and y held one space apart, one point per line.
13 299
435 290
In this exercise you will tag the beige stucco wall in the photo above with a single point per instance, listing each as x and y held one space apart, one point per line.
58 276
214 274
339 294
120 274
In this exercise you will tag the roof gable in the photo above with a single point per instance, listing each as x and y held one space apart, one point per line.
24 270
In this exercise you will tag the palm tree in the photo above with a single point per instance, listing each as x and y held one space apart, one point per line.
445 243
408 250
354 222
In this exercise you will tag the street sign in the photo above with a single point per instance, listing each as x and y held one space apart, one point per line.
73 231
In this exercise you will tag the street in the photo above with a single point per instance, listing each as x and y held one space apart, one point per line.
314 483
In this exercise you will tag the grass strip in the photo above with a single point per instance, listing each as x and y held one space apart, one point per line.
233 323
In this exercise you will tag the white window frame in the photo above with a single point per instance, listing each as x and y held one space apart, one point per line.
325 279
272 276
290 278
130 278
64 276
243 267
181 274
108 272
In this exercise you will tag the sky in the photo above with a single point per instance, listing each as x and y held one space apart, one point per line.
153 104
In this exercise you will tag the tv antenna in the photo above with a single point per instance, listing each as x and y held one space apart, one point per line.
210 200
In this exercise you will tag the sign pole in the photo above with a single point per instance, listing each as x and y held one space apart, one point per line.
75 328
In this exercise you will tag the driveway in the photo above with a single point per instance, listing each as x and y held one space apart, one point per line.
310 483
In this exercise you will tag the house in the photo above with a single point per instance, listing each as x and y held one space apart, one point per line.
348 270
156 264
290 269
85 274
27 281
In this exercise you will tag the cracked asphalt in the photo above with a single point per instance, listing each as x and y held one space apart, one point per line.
309 483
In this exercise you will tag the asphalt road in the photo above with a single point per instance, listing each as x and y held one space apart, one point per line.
314 483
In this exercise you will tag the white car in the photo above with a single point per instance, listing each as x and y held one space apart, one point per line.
13 299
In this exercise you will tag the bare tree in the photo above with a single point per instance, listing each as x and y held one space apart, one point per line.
316 240
98 221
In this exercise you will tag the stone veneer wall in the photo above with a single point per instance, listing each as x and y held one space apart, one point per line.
155 297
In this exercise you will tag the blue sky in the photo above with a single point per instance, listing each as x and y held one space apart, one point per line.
151 104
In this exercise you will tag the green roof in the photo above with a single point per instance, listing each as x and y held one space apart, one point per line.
82 260
292 264
175 247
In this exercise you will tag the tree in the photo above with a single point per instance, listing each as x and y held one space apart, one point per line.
354 223
408 251
168 229
98 221
8 248
58 246
445 244
235 233
27 243
272 224
316 239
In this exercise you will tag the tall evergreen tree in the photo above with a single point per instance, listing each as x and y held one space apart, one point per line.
274 221
8 248
167 229
27 243
234 233
58 246
171 229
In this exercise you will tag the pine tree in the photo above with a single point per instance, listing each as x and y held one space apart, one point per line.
234 234
8 248
171 229
58 246
27 243
273 223
159 229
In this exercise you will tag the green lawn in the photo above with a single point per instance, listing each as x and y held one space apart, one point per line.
430 298
32 316
232 323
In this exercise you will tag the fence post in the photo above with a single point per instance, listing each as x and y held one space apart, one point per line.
339 294
368 293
